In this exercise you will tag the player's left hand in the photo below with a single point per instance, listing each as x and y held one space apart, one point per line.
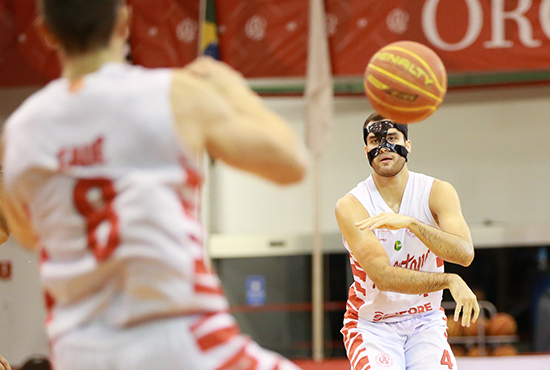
384 220
4 365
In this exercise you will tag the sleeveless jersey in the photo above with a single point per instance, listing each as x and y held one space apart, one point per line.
112 194
404 249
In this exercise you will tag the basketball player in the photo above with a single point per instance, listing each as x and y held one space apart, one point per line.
399 227
100 176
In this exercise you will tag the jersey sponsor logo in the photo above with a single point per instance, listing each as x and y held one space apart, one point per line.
410 233
378 315
413 262
384 360
82 155
398 245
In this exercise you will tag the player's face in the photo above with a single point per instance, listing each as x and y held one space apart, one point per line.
387 163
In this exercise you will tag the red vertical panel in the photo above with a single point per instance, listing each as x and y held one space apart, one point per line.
164 33
264 38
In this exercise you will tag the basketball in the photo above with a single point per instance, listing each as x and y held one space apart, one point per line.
505 350
503 324
473 329
405 81
458 350
454 329
473 352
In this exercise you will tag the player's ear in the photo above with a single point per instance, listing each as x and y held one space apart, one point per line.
408 145
366 152
122 27
45 33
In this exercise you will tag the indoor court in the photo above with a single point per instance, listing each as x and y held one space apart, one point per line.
278 250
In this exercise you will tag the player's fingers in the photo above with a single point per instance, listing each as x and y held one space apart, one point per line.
476 311
377 225
4 364
457 311
466 314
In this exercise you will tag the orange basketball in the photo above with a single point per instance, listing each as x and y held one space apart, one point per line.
458 350
405 81
454 329
473 352
473 329
505 350
503 324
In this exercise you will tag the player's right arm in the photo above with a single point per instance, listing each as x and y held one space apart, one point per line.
374 260
215 110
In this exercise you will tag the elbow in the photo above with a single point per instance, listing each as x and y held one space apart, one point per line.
292 174
468 256
379 280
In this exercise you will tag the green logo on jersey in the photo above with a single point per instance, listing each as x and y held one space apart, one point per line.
397 246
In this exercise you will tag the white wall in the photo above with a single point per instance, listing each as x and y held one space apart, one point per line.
490 144
22 310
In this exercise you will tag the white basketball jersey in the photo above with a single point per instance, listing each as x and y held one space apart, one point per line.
404 249
112 197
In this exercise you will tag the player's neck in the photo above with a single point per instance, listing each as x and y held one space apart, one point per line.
392 188
77 66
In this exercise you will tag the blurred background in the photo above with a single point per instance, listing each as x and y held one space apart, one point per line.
489 139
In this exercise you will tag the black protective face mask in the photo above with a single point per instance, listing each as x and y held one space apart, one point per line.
380 130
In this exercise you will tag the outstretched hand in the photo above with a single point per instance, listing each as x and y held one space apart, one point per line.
384 220
466 301
4 365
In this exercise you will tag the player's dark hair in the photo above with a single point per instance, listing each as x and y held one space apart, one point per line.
378 117
81 26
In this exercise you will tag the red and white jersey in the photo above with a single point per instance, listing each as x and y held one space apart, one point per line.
111 193
404 249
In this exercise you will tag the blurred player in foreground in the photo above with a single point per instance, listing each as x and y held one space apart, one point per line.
100 176
399 227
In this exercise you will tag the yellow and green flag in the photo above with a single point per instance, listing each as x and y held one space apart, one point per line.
209 39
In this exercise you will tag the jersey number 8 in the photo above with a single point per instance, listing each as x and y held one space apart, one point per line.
94 201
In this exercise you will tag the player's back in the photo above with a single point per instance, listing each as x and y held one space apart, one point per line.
111 194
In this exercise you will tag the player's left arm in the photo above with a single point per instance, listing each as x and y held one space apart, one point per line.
452 241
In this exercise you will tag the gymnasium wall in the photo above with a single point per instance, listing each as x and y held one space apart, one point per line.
491 144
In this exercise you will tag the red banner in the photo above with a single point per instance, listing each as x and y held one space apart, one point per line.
468 35
268 38
264 38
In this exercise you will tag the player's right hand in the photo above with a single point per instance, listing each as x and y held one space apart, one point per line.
466 301
4 365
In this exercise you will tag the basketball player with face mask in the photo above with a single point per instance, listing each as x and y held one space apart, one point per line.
399 227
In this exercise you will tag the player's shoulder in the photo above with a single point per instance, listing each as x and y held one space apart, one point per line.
29 111
347 203
442 186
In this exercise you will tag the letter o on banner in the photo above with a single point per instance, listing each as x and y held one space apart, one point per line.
429 25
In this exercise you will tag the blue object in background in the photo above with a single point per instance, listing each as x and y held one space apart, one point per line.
255 290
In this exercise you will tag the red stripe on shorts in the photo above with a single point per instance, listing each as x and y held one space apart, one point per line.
218 337
208 289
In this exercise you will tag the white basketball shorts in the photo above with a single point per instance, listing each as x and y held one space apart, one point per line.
418 343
